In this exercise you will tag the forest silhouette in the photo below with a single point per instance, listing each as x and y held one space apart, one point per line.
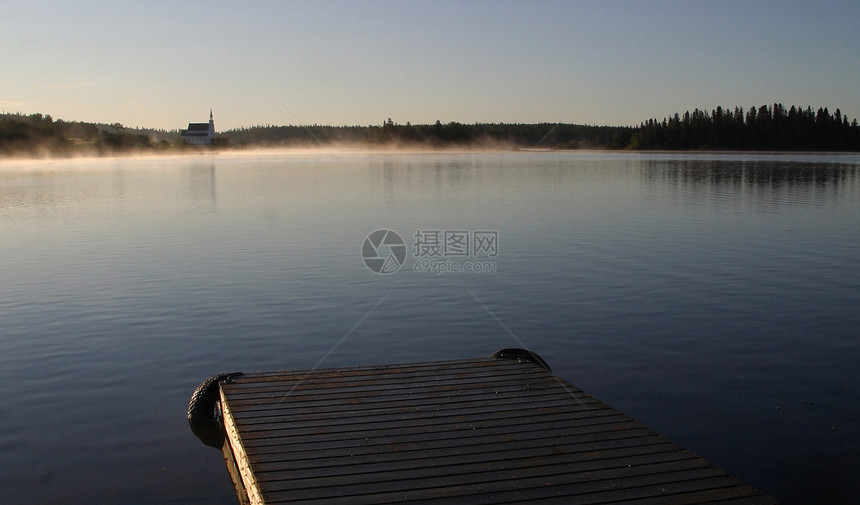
770 128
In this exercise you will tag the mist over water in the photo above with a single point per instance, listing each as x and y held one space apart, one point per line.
712 297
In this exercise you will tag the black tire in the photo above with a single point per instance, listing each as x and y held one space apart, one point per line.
515 353
204 412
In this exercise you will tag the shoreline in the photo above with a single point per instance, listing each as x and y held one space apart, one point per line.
363 149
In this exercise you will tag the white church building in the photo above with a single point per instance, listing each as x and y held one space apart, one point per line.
200 133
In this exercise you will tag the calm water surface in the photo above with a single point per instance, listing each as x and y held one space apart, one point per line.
713 297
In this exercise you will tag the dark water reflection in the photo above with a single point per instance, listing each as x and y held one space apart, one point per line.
712 297
758 173
789 183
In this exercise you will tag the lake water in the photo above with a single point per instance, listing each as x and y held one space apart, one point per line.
716 298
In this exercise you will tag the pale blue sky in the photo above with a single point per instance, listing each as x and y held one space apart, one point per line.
162 64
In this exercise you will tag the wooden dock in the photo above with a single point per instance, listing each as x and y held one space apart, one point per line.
477 431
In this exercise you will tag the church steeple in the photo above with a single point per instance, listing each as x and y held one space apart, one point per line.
211 133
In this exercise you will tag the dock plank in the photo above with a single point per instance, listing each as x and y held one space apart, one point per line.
480 430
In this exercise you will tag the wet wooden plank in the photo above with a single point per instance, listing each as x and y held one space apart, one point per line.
480 431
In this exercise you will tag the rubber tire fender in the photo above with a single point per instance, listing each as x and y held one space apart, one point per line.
514 353
204 412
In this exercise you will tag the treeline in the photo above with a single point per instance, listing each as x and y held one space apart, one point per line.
764 128
452 134
293 136
758 128
38 135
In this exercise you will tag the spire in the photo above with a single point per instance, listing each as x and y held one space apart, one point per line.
210 136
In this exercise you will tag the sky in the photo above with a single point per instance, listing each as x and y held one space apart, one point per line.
160 64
